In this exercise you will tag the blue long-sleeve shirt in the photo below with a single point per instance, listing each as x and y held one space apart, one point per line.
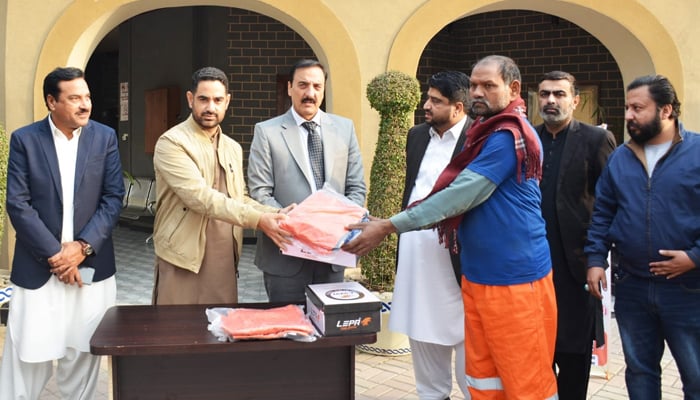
502 234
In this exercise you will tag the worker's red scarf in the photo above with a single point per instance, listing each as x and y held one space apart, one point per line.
527 151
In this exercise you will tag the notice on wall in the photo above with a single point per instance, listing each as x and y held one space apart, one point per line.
123 101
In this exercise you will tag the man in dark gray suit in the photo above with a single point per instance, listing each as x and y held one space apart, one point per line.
280 173
64 195
575 154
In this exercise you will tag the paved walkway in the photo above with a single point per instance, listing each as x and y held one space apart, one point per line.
376 377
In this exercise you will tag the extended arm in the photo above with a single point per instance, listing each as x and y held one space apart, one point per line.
181 173
471 187
467 191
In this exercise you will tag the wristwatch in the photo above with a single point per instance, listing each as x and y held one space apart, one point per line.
87 249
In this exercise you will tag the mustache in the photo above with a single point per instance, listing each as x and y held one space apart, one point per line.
308 100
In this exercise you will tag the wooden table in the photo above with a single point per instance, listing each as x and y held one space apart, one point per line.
166 352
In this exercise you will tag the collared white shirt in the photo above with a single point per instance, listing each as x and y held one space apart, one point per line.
67 154
304 138
427 303
437 156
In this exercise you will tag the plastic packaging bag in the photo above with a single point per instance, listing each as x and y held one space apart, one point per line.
319 221
287 322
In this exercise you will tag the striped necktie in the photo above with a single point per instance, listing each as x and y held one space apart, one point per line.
315 152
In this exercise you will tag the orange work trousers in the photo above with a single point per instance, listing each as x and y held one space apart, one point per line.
510 332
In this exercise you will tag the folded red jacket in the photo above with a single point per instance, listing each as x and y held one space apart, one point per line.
319 221
270 323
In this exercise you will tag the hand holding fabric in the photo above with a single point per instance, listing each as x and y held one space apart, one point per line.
319 222
373 232
287 209
269 224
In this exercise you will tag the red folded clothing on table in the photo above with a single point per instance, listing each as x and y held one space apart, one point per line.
270 323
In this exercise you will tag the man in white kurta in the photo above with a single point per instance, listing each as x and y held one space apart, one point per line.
64 193
427 301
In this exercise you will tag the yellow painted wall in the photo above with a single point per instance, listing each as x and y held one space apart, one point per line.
357 39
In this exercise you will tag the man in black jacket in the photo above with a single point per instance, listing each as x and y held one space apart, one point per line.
574 156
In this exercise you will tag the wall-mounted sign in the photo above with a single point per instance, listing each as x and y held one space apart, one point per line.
123 101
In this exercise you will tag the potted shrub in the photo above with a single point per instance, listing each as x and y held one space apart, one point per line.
395 96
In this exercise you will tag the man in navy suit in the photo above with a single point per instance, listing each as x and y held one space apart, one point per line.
64 194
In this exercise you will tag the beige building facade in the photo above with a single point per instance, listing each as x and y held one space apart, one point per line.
356 39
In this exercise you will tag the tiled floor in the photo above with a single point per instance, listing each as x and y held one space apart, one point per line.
135 259
376 377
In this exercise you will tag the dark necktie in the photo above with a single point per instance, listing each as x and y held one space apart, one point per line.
315 152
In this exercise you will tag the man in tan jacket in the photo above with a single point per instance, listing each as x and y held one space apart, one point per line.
202 204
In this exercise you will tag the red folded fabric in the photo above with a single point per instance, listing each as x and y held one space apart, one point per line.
270 323
319 221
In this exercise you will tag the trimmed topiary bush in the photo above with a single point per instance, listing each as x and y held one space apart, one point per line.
395 96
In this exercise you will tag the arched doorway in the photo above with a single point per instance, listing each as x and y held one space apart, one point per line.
538 43
140 71
79 30
635 38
